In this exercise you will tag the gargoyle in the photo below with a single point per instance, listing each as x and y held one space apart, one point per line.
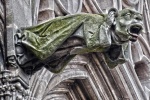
54 43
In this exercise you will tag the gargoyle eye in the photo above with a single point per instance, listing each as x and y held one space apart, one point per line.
139 18
127 16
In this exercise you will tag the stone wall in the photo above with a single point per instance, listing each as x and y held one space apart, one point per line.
86 77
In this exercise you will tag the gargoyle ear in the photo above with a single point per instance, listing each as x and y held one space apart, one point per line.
114 11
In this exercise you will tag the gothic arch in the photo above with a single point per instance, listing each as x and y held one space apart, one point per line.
120 79
87 74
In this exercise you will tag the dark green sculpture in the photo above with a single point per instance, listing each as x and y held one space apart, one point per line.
97 33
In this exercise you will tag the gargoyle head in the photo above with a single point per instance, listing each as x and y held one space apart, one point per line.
128 25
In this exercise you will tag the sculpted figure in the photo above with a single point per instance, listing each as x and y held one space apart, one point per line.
54 43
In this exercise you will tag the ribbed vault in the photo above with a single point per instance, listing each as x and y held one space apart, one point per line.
87 77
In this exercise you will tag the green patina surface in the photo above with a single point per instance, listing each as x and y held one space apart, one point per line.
45 38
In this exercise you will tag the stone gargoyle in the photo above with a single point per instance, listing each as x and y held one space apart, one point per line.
54 43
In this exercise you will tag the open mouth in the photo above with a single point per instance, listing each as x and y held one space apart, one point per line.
134 30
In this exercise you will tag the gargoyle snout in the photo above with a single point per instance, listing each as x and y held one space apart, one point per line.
134 30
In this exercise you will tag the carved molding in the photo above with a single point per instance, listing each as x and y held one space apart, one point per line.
86 77
127 76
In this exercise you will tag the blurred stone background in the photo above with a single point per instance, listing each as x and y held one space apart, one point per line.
86 77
